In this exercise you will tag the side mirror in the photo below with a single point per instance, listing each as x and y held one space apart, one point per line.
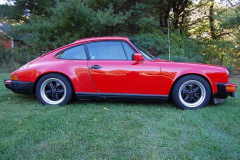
137 57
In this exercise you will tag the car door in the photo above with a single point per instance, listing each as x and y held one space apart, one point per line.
74 64
113 70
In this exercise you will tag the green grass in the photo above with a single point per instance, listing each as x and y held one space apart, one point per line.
88 130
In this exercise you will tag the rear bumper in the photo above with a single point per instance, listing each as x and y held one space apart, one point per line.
19 87
224 90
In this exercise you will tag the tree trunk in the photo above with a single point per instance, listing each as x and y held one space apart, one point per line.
211 20
164 13
179 7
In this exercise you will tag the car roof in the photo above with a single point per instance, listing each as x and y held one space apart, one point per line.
92 39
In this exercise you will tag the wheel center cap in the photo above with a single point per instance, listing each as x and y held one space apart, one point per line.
191 93
54 91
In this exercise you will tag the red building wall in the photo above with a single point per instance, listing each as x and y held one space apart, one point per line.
5 40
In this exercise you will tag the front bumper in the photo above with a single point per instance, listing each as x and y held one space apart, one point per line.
223 91
19 87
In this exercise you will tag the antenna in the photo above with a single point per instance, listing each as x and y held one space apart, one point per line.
169 40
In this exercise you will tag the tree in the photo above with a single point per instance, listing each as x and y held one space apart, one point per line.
203 29
70 21
22 10
159 11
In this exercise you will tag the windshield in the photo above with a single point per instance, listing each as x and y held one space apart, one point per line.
145 54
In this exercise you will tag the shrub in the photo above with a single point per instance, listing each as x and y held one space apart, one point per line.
183 49
11 59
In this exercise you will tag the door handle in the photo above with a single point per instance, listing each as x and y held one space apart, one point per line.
95 67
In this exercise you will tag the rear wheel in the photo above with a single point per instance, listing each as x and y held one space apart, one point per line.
54 89
191 92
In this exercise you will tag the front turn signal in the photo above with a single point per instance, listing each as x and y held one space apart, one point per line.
231 87
14 78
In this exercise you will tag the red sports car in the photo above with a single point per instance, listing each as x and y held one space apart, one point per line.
113 68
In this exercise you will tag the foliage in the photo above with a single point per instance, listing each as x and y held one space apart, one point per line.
232 18
65 25
23 10
12 59
183 49
231 21
218 30
201 31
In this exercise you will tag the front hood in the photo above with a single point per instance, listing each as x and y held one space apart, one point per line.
187 64
200 65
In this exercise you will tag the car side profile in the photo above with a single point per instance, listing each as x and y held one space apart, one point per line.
114 68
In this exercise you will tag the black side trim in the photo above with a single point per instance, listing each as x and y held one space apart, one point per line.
222 93
120 97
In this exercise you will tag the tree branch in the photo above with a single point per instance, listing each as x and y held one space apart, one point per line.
198 20
197 7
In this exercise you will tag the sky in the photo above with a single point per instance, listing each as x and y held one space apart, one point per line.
2 1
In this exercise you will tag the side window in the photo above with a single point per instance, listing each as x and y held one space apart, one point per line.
129 50
73 53
106 50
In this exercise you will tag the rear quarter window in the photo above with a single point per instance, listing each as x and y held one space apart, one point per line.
77 52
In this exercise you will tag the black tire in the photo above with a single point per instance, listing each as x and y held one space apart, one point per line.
54 89
191 92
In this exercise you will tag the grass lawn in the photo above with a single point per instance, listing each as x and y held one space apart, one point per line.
116 130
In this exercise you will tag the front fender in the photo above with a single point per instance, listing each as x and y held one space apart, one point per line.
172 71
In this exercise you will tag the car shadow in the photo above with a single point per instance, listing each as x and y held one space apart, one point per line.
23 99
168 104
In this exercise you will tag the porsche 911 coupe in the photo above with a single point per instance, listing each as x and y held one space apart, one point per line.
114 68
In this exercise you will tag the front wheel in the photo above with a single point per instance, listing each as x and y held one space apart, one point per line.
191 92
54 89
